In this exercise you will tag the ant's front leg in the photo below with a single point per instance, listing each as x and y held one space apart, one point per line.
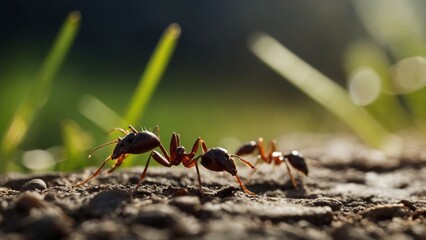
94 174
118 162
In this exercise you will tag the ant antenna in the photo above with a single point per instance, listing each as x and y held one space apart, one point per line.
244 161
117 129
101 146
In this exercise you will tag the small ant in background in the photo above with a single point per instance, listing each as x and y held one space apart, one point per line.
215 159
272 156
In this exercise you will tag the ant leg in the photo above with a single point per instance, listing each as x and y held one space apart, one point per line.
190 165
272 150
158 158
293 181
166 155
94 174
196 146
142 175
262 151
203 145
118 162
242 186
174 143
199 179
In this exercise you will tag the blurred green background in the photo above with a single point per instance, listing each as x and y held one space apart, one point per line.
213 86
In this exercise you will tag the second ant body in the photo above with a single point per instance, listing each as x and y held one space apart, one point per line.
272 156
215 159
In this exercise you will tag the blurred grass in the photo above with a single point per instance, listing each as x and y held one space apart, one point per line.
143 92
371 107
39 93
400 30
365 54
75 142
319 87
152 74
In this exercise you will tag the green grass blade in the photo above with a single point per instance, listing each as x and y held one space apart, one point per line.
76 145
397 25
152 74
320 88
99 113
30 105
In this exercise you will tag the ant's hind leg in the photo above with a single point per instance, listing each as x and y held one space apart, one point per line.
200 188
190 165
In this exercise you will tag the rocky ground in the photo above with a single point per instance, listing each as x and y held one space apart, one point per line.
352 192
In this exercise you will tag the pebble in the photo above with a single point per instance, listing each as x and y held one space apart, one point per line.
187 204
34 184
294 213
28 201
384 212
334 204
168 218
106 202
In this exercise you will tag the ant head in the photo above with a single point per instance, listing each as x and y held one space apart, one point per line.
221 156
297 161
123 145
180 151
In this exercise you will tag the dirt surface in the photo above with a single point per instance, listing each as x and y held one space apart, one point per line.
352 192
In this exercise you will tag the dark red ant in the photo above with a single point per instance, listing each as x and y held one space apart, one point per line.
133 143
274 157
216 159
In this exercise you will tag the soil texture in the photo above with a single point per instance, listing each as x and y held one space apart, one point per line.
352 192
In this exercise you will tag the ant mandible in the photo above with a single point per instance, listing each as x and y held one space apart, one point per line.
274 157
215 159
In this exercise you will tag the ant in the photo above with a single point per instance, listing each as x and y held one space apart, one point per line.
216 159
274 157
133 143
